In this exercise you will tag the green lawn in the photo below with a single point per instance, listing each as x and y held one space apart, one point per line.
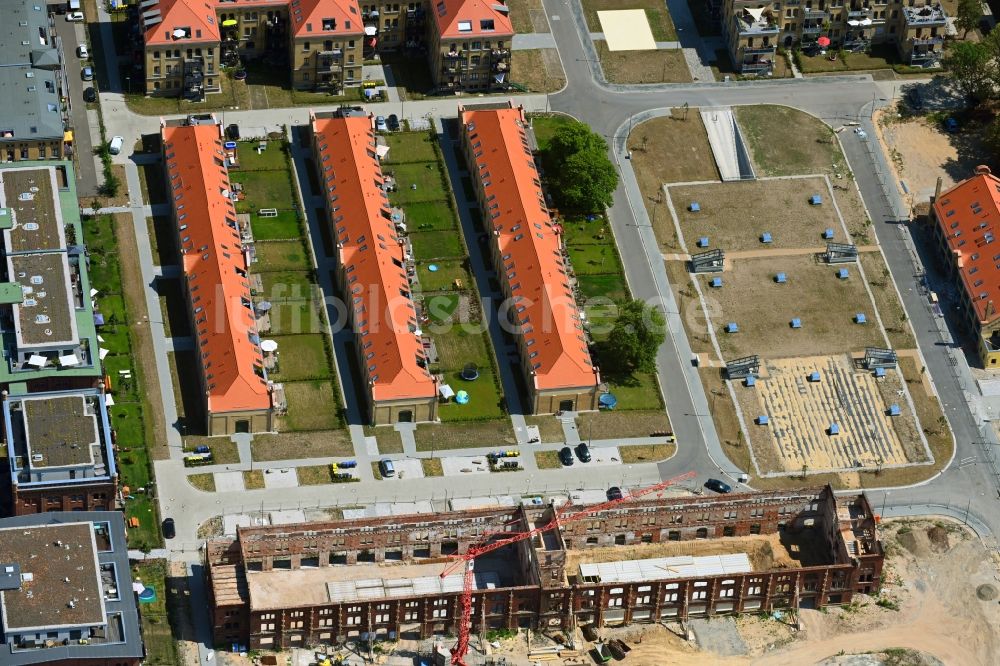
284 226
464 435
484 398
410 147
458 347
586 229
440 307
443 279
271 158
425 175
311 406
301 357
278 286
428 245
546 125
636 392
287 255
294 317
264 189
157 636
607 285
591 259
429 215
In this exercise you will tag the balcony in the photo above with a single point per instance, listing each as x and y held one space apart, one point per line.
863 13
820 14
757 67
453 55
748 23
758 51
813 29
927 41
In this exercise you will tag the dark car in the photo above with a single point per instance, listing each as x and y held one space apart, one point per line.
169 531
89 95
233 132
566 456
393 122
202 449
87 73
614 493
583 452
718 486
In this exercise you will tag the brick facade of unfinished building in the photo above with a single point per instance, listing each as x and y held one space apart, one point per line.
840 533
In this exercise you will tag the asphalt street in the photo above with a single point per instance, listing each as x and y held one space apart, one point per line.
72 34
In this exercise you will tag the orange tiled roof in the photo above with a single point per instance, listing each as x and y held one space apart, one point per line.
383 313
531 250
196 16
969 217
458 19
308 17
215 268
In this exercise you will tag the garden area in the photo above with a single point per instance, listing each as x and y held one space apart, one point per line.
444 283
129 419
157 635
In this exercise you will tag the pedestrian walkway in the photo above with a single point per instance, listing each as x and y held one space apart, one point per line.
533 40
599 37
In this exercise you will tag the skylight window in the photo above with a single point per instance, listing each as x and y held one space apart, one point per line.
465 26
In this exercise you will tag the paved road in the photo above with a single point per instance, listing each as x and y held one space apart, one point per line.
71 35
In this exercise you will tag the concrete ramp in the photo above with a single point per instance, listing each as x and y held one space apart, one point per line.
727 144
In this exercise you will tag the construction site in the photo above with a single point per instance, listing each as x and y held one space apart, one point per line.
551 568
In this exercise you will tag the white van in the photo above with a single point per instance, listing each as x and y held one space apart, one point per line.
116 144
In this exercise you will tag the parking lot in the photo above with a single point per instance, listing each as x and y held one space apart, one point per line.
71 34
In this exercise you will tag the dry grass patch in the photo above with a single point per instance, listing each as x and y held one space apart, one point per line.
203 482
894 318
734 215
549 428
646 453
547 460
690 308
224 451
253 480
785 142
763 309
314 475
432 467
538 70
660 23
293 445
659 66
615 424
464 435
388 439
528 16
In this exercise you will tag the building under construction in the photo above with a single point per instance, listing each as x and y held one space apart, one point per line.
642 561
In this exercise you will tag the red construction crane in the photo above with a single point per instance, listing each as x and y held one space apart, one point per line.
487 545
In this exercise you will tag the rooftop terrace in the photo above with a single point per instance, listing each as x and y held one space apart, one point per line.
928 14
60 582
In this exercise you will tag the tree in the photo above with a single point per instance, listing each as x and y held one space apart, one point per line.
973 68
970 13
581 175
637 334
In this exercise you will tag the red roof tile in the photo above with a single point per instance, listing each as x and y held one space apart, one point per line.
215 268
344 17
531 250
459 19
969 217
384 314
196 16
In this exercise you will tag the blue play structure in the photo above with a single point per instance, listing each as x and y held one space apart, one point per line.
842 273
750 381
814 376
763 419
766 237
703 241
828 234
796 322
860 318
879 373
834 429
608 401
731 327
894 410
694 207
462 397
815 200
716 282
781 278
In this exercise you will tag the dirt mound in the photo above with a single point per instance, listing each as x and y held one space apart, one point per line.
938 537
915 542
986 592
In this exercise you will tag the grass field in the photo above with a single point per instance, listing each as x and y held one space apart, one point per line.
549 428
656 13
763 309
785 141
659 66
314 475
203 482
538 70
897 324
464 435
429 216
458 347
443 279
645 453
547 460
271 158
312 405
528 16
292 445
432 466
295 317
281 286
264 189
281 227
253 479
611 425
669 150
435 245
282 255
545 125
301 357
426 177
389 440
157 635
484 397
410 147
780 207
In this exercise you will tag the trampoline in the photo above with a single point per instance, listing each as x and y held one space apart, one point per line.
470 372
608 401
148 595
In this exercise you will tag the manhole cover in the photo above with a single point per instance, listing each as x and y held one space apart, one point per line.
986 592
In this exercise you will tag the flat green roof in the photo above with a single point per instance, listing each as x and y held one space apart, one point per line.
10 293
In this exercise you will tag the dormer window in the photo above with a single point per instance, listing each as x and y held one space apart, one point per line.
329 24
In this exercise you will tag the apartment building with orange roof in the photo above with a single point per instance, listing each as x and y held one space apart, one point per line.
967 227
371 273
528 256
322 42
216 284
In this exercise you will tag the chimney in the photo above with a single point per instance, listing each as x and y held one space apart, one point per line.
937 188
982 170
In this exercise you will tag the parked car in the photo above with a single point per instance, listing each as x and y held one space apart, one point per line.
583 452
82 52
116 145
169 529
718 486
614 493
74 16
393 122
202 449
386 468
566 456
380 125
87 73
89 94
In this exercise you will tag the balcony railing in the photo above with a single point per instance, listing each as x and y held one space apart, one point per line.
757 67
759 50
812 29
927 41
815 13
859 13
